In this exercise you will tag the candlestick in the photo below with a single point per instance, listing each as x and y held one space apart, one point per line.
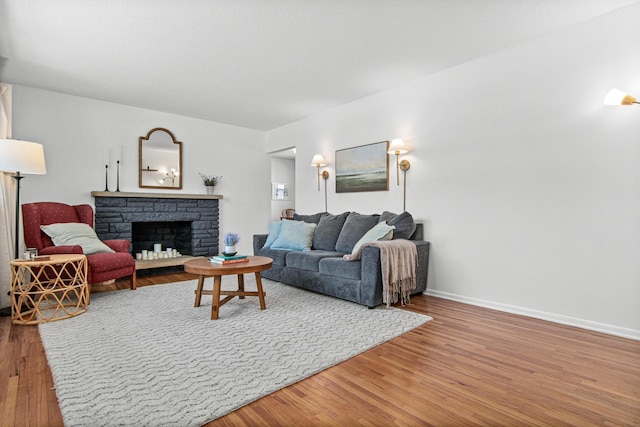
118 176
106 177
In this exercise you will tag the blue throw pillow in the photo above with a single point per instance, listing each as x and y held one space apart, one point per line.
274 232
295 236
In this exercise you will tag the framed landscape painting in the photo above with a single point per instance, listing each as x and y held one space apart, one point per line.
363 168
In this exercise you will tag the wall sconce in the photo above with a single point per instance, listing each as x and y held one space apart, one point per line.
618 97
397 147
318 161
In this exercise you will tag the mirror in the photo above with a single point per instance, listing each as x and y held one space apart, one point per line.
159 160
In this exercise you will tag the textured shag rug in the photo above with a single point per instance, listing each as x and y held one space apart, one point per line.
149 358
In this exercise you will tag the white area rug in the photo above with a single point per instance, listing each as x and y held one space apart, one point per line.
149 358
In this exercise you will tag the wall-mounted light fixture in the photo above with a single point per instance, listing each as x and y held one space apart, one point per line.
618 97
397 147
319 161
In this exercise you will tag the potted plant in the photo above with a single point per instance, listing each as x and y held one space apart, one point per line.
230 242
210 181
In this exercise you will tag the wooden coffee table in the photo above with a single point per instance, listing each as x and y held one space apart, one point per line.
204 268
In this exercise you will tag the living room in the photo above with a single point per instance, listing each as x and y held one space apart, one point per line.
526 184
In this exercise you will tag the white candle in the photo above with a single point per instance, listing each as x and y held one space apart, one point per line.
107 156
157 247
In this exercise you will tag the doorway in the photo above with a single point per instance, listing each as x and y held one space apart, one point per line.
283 174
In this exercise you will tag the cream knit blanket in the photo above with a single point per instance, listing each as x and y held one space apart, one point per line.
398 261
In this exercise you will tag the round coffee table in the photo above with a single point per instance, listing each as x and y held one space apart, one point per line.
205 268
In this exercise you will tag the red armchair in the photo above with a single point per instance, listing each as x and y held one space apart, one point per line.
101 266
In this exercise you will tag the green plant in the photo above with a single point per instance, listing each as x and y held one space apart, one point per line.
210 180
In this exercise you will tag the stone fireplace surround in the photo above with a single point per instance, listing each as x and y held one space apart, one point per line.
115 213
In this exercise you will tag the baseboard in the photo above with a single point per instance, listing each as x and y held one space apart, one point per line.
551 317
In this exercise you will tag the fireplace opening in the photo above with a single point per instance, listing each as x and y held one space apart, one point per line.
173 234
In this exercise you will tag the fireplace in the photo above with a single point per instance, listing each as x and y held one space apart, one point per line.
187 222
169 234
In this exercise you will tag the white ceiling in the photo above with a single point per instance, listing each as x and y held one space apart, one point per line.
259 63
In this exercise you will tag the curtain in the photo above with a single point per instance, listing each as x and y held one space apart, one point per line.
7 202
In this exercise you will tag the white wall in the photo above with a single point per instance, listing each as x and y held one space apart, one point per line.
75 131
529 188
283 172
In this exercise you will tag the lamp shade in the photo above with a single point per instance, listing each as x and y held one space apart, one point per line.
22 156
318 160
397 147
618 97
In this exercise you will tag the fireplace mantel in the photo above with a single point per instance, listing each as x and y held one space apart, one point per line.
121 194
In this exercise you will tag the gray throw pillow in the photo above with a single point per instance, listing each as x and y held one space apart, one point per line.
405 226
386 216
355 226
315 218
328 230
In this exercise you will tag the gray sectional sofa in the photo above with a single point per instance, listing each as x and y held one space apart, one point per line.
315 262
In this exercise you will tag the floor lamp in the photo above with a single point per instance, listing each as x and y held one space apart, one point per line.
21 157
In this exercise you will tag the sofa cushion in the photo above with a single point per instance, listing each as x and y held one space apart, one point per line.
355 226
381 231
328 230
309 260
274 232
295 236
404 223
277 255
339 268
76 233
315 218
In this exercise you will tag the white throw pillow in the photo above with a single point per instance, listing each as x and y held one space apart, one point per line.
382 231
74 233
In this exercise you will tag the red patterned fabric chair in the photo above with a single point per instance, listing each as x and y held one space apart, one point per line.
102 267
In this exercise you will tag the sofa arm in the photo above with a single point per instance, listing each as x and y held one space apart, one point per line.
118 245
372 273
57 250
258 242
422 270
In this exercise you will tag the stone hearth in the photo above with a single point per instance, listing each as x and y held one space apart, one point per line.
115 213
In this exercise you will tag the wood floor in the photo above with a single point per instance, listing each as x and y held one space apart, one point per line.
469 366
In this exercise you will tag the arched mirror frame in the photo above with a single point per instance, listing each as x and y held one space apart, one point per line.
141 141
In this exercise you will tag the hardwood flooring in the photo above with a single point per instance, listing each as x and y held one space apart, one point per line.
469 366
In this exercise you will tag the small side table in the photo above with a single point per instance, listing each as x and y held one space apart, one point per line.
52 289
